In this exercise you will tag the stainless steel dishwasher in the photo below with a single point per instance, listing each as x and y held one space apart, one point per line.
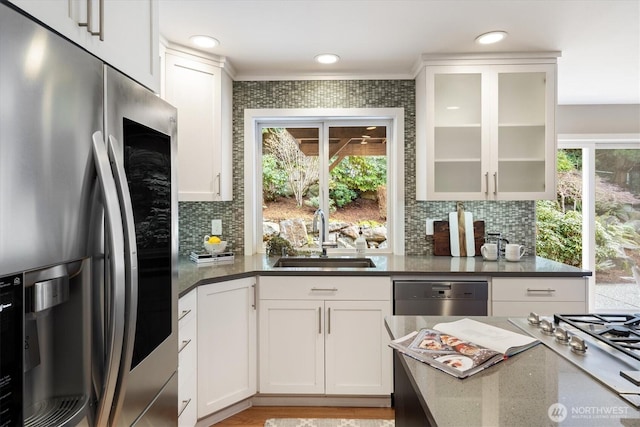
440 297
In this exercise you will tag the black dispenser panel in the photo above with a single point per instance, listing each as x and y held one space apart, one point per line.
11 378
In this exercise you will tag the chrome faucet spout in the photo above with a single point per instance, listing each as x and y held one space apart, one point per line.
324 244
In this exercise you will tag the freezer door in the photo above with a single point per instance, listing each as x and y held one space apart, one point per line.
51 99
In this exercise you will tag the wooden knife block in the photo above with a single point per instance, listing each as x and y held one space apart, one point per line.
441 243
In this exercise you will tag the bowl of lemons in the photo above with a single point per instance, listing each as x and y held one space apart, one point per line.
214 245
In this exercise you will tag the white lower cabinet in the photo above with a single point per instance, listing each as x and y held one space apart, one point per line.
187 360
357 359
518 296
226 344
324 335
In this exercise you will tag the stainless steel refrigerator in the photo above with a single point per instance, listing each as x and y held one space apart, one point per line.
88 238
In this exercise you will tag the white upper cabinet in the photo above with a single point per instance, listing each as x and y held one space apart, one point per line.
202 92
124 34
486 129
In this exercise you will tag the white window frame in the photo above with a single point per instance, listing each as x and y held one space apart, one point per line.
255 118
589 143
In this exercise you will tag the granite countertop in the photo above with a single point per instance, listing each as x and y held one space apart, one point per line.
518 391
191 275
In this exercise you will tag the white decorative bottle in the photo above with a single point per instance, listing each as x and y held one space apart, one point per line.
361 244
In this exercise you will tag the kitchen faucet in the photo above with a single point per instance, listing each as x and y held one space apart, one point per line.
324 244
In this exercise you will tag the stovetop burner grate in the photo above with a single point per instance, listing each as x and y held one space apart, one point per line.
621 331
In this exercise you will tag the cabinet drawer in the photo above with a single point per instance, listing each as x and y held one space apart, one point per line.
187 347
539 289
187 308
325 288
522 308
187 405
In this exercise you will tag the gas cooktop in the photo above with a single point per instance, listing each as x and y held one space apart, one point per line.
605 346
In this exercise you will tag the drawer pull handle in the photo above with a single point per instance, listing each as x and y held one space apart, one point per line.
183 345
548 290
324 289
184 313
185 403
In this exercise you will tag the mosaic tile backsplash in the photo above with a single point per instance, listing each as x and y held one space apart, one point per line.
516 220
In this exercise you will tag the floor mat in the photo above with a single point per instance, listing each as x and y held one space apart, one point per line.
326 422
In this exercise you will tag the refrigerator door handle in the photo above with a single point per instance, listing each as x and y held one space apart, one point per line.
115 151
116 304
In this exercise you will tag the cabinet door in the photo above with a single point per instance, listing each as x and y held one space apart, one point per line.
358 359
457 133
291 346
523 134
68 17
226 344
131 40
130 35
195 87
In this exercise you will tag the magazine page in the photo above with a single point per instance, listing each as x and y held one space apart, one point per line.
498 339
446 352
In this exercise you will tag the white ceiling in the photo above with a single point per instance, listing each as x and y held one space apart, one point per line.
277 39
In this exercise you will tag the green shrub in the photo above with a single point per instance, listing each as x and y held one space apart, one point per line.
274 179
559 236
341 194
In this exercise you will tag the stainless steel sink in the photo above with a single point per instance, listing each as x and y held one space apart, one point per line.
303 262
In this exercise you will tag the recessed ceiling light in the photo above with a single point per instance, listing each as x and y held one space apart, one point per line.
371 127
491 37
327 58
204 41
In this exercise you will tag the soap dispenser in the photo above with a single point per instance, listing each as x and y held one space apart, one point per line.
361 244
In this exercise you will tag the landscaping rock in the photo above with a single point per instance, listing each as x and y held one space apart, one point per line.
295 231
269 229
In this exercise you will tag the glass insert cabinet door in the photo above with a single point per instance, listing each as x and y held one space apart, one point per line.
521 132
490 132
457 134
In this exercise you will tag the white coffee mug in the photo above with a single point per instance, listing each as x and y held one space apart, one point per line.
489 251
513 252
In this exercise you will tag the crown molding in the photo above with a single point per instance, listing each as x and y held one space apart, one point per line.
217 60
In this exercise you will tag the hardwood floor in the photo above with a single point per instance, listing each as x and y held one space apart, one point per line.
257 415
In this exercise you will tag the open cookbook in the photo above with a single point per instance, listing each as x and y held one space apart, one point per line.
463 347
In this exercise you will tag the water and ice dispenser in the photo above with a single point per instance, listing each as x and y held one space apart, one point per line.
57 347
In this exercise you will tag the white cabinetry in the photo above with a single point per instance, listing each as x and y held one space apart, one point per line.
324 335
122 33
187 360
486 128
201 91
226 344
518 296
